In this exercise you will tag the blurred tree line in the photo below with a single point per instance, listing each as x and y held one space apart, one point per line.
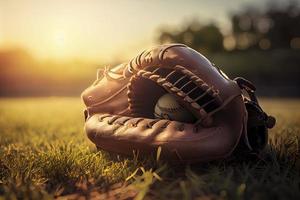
23 75
275 27
263 46
207 38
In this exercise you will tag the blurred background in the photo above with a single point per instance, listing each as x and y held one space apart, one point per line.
53 47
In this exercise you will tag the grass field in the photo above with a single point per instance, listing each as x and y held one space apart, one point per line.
45 154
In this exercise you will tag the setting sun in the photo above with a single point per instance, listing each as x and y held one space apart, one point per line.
97 30
60 39
60 43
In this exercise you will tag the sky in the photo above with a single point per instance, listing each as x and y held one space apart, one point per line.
103 30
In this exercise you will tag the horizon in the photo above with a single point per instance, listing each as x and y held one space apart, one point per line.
103 31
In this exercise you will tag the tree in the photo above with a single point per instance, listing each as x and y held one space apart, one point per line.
276 27
206 39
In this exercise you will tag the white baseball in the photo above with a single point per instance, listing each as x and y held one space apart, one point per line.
168 107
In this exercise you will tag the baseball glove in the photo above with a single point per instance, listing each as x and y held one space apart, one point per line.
120 104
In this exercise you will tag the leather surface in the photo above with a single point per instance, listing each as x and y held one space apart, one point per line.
121 101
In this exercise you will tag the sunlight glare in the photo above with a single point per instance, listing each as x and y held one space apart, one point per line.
59 39
59 46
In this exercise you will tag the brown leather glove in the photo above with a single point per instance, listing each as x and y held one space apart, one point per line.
120 108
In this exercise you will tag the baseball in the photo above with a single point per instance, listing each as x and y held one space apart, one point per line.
168 107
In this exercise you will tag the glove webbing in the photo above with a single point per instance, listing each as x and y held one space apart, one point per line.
192 91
